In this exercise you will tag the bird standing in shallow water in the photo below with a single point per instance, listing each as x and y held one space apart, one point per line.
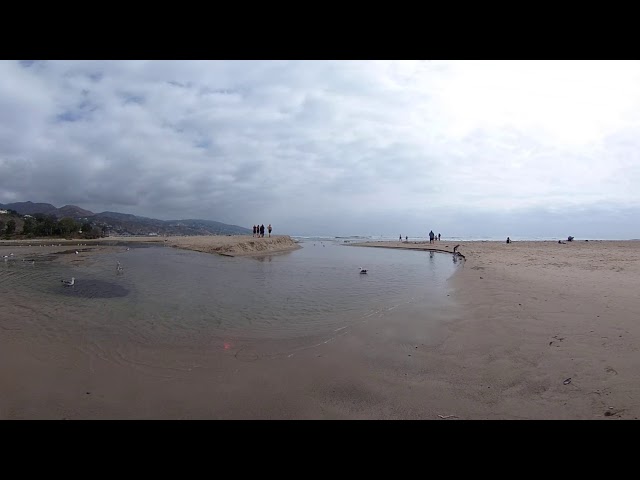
69 283
363 270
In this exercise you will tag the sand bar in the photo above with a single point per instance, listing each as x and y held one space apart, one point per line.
229 245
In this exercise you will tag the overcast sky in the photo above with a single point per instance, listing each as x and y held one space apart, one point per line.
483 148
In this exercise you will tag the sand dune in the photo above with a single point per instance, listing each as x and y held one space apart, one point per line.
237 245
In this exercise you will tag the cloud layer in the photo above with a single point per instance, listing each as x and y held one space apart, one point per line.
329 147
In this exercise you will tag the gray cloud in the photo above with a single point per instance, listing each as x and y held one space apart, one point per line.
329 147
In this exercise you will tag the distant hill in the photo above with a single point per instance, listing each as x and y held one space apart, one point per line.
73 212
30 208
127 224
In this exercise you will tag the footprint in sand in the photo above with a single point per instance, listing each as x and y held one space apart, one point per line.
611 370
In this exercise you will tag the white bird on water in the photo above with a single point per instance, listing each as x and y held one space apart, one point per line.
77 252
363 270
69 283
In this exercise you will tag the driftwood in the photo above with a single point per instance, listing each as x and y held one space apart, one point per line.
407 248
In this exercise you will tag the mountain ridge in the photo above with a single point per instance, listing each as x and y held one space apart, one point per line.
126 223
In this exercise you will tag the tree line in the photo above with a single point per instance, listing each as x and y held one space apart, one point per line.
40 225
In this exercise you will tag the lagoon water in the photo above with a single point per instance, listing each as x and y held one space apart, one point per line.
168 297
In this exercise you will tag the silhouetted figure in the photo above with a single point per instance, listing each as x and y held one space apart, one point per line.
254 230
400 237
262 230
431 236
438 237
406 238
508 240
269 227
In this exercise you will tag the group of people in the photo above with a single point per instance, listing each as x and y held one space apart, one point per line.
432 237
258 230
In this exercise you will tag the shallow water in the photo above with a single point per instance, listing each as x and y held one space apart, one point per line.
172 297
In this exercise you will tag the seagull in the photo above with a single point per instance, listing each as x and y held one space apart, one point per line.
363 270
69 283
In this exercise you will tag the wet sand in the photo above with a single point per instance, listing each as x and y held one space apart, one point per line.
545 331
527 317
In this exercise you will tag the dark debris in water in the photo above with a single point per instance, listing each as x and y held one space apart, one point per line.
91 288
133 245
44 258
70 252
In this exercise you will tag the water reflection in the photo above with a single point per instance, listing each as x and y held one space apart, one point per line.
266 258
189 298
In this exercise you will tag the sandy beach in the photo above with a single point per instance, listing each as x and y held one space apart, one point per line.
545 331
537 330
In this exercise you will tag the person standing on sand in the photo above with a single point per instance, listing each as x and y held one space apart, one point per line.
438 237
406 238
254 230
269 228
431 236
262 230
